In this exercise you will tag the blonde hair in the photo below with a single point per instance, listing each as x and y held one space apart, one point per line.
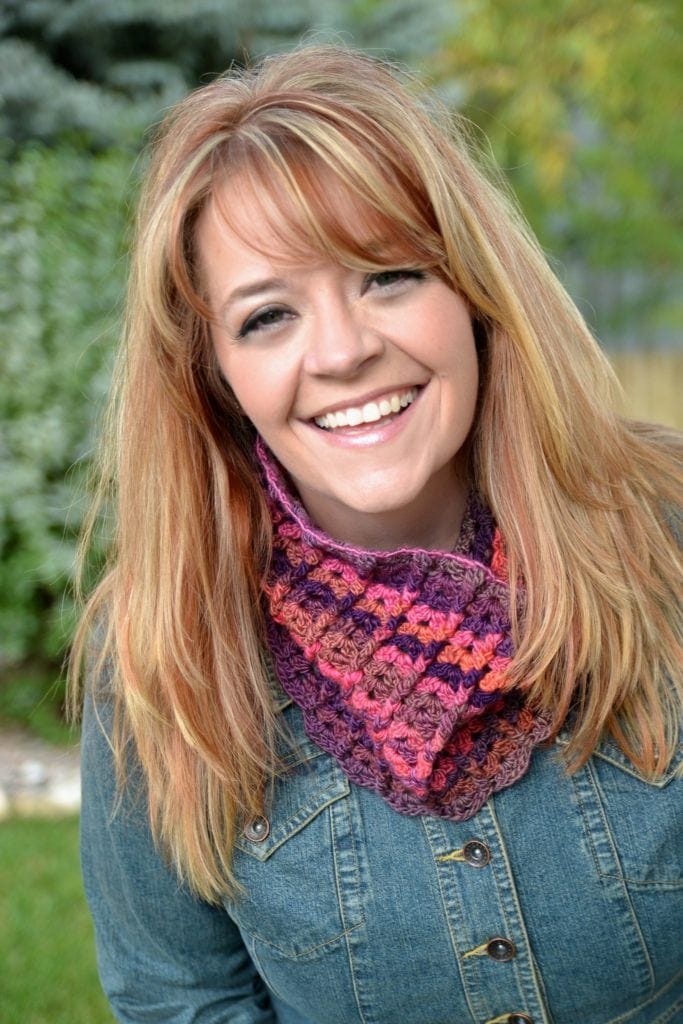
579 493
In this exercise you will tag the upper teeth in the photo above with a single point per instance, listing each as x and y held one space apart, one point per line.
368 413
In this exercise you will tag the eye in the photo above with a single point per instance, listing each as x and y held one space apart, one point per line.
263 320
388 280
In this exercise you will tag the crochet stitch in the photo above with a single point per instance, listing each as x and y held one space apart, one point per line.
398 659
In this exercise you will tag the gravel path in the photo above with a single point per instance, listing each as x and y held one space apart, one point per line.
37 778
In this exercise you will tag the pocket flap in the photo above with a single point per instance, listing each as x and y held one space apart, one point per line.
608 750
298 798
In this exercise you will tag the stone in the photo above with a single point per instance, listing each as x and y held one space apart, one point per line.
37 778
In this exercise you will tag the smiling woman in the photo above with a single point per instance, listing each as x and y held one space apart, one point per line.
384 674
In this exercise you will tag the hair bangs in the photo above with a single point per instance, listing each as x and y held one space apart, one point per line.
320 197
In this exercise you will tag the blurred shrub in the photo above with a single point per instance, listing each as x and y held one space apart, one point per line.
108 70
62 214
578 105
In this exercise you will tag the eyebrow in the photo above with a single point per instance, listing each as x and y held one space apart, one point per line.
249 291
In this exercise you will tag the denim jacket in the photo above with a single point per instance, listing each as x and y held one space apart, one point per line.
558 903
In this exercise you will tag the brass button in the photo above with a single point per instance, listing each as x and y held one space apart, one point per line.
257 830
476 853
501 949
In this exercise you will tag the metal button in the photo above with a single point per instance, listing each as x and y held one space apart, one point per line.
501 949
257 830
476 853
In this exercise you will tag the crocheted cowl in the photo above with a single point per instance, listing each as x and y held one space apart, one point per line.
398 659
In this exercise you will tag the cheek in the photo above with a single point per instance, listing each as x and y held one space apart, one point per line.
459 372
259 381
455 356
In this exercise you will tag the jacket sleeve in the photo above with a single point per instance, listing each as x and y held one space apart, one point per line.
163 955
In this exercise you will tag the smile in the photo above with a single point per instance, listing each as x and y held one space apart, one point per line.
371 412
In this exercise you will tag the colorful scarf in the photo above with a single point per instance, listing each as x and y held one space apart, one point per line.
398 659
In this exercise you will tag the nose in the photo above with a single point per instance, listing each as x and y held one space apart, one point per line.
341 342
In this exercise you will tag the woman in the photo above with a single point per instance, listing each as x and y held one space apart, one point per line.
384 720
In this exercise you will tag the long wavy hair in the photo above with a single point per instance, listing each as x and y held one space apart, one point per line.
581 494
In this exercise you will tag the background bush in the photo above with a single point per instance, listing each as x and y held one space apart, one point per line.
61 279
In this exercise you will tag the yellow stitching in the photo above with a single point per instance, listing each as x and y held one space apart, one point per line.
477 951
456 855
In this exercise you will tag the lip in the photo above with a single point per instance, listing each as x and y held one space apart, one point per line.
370 396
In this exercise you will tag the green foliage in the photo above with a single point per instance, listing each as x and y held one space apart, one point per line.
61 280
579 101
32 698
46 941
106 71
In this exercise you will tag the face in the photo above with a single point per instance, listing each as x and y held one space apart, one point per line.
363 385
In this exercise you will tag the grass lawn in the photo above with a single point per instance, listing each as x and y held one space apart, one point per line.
46 939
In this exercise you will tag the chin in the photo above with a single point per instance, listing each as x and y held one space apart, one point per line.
371 503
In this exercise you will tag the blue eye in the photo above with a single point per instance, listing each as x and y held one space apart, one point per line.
262 320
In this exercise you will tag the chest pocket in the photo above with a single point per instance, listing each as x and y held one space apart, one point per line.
633 824
289 861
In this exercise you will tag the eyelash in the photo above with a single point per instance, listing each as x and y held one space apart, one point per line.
260 321
400 275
